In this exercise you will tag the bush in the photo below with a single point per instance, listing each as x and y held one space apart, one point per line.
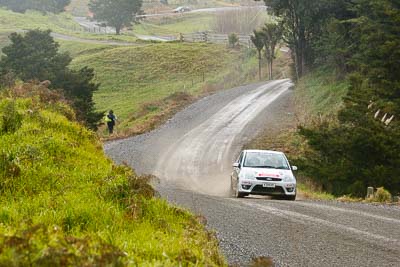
11 119
233 40
381 195
39 245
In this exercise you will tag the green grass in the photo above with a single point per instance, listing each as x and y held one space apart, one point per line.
61 23
62 200
306 191
185 23
76 49
319 93
131 77
35 20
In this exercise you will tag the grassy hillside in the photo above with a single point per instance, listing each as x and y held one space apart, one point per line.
76 49
185 23
62 202
10 21
319 93
142 84
61 23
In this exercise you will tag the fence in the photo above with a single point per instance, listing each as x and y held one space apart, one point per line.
244 40
207 37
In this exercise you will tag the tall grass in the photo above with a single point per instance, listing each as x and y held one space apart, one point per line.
63 202
319 95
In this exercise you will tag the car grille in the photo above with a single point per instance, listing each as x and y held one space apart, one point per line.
269 179
259 189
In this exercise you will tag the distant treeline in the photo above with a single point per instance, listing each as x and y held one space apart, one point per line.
21 6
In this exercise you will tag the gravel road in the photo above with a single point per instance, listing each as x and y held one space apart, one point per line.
192 153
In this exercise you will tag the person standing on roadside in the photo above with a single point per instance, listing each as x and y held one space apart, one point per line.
110 118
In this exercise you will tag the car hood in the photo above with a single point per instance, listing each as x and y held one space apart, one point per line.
264 172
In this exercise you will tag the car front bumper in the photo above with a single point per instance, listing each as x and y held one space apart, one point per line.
271 188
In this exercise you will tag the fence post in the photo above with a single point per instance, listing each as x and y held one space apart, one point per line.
370 192
205 37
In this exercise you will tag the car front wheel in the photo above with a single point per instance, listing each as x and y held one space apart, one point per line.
239 194
233 193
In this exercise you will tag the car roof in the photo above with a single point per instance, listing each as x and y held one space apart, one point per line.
266 151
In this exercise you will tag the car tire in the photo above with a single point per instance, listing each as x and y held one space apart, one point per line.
233 194
239 194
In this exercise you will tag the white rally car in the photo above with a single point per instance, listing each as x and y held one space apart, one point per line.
263 172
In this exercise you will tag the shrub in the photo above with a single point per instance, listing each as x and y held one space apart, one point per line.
233 40
39 245
11 119
381 195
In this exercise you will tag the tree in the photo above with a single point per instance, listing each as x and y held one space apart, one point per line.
272 34
302 22
363 147
79 87
35 56
258 41
116 13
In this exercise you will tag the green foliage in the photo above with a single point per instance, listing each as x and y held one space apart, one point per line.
79 87
116 13
62 202
258 40
301 21
11 119
363 148
233 39
272 34
40 245
320 94
381 195
35 56
54 6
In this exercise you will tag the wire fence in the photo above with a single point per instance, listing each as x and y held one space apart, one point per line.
88 26
209 37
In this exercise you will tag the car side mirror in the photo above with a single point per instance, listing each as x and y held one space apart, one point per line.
294 168
236 165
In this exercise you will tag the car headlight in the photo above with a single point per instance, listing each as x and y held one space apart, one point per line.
251 176
248 176
289 178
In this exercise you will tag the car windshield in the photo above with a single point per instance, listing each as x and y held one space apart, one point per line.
265 160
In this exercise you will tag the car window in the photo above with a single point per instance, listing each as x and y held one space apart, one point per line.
240 158
265 160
